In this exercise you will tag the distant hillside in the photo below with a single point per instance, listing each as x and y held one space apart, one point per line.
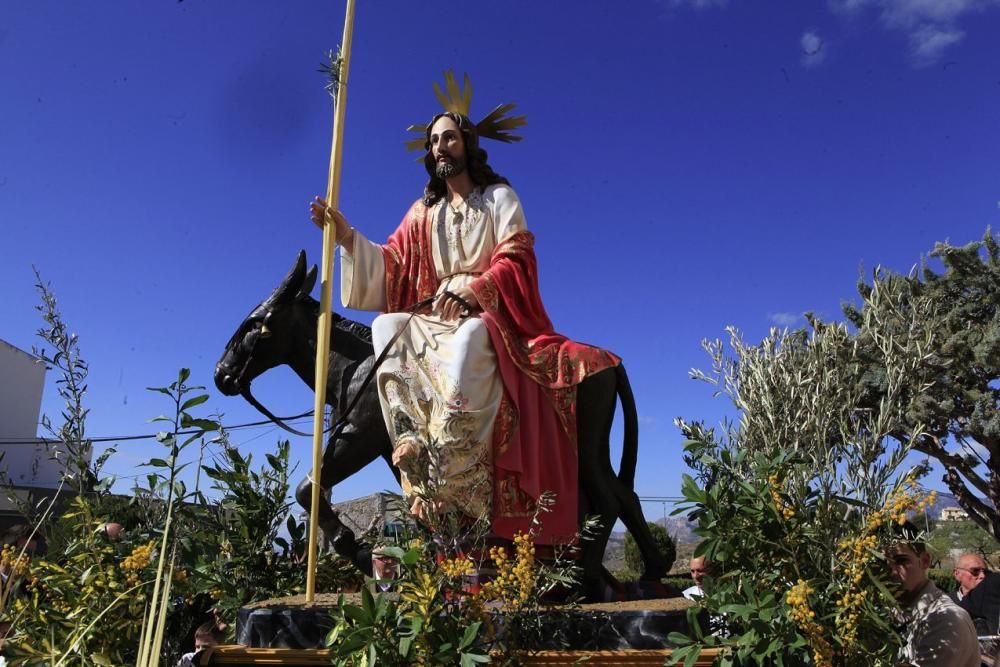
680 529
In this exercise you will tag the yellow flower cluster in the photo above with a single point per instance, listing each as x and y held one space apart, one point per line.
137 561
13 562
856 553
421 594
515 579
180 576
904 499
774 484
798 599
62 606
454 568
850 612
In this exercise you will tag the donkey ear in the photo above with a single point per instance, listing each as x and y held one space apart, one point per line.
289 287
310 282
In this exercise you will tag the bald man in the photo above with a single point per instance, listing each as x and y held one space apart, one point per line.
970 569
979 592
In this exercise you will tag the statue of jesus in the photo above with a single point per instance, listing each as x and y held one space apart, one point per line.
478 391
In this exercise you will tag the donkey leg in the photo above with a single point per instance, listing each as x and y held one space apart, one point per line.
342 537
629 507
595 477
603 504
345 454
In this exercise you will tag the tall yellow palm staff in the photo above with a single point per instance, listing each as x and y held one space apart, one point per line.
338 87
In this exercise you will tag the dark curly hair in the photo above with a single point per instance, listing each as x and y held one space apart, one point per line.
475 159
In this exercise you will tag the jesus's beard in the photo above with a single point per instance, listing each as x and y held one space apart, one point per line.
448 168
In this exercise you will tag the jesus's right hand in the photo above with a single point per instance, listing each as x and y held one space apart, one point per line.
321 213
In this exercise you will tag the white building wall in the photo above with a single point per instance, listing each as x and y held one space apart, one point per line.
22 380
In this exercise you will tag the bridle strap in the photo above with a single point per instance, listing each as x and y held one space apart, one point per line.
279 421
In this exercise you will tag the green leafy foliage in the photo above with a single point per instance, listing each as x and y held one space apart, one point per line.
82 600
82 604
794 500
664 544
91 578
943 579
243 556
442 614
433 620
52 614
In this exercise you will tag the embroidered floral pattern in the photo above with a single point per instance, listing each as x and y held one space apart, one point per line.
486 292
449 467
457 223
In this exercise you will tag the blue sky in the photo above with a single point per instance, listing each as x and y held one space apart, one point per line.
687 165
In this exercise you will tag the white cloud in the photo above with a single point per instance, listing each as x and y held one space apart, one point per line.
813 49
913 13
786 319
927 42
930 25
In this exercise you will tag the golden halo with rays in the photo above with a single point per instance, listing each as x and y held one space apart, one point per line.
497 125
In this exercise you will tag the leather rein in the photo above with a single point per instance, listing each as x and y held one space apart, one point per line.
340 423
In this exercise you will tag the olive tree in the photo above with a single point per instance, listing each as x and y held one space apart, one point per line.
953 390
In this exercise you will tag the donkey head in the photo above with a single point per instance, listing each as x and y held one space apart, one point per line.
268 336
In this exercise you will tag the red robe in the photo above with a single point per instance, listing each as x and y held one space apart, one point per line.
534 435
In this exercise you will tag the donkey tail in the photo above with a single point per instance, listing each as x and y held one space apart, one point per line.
630 446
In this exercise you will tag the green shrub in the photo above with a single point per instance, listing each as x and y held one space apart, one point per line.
664 543
795 499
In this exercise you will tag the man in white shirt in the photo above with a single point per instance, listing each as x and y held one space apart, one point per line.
699 568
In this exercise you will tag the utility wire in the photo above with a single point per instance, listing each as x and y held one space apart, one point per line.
151 436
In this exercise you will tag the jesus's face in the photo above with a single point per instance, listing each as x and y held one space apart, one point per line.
447 148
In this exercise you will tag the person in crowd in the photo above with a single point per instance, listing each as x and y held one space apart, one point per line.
206 638
978 593
699 568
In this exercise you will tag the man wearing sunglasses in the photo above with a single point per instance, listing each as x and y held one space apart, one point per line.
970 569
979 593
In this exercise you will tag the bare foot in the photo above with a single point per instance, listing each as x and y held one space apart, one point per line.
418 508
405 455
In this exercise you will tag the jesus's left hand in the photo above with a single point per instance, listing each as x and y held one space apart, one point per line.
451 309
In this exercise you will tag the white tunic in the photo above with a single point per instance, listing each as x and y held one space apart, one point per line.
439 387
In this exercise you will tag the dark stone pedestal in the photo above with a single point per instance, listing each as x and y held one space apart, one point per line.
588 628
283 627
613 630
